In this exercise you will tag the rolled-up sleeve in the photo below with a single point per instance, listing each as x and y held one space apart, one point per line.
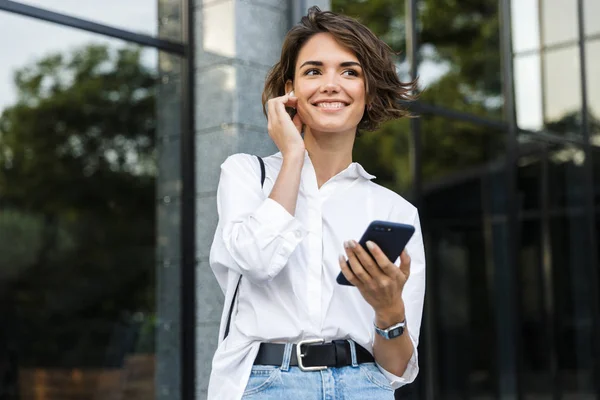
255 235
410 374
414 297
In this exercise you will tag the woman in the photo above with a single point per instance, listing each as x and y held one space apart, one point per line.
288 329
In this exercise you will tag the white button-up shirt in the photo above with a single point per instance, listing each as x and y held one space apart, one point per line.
289 264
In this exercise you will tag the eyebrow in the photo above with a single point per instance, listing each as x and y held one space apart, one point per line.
320 64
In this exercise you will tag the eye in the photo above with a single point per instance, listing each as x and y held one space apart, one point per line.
312 71
351 72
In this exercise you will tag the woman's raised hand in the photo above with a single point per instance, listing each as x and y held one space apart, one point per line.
284 131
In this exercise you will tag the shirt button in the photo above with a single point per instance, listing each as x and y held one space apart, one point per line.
298 234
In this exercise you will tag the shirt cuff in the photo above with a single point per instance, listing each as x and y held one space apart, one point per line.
277 221
412 370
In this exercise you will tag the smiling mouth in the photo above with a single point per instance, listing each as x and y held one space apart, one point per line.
333 105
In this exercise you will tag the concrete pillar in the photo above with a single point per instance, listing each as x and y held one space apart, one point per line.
168 182
237 42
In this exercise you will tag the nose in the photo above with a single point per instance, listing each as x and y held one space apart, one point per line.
330 84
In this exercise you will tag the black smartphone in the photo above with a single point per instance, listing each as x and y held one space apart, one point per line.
391 237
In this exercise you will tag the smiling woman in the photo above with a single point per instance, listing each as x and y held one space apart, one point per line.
375 68
276 254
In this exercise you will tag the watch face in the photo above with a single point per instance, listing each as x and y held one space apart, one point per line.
396 332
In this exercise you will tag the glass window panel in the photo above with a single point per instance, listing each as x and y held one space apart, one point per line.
562 84
525 25
528 91
133 15
79 175
590 17
556 297
456 70
569 244
463 194
559 21
592 55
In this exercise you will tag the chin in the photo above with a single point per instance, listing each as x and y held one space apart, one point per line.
332 128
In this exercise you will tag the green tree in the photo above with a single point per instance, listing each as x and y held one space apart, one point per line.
78 165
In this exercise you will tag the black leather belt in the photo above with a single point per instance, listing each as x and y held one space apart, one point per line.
313 355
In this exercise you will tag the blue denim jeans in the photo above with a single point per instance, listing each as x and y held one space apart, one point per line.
355 382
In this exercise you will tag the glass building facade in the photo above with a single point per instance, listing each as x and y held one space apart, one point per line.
98 284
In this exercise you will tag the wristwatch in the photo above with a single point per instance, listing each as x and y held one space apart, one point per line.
391 332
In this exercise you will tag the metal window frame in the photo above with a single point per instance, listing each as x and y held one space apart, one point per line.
90 26
589 198
188 210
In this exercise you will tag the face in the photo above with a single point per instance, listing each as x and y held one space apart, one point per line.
330 85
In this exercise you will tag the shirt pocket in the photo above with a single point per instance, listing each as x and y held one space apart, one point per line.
262 377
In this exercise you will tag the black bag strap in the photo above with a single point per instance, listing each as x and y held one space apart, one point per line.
237 288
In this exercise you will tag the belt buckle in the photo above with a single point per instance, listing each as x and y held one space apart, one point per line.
299 355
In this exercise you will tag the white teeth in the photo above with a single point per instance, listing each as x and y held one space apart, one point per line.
330 105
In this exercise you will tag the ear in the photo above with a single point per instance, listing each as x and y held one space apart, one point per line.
289 86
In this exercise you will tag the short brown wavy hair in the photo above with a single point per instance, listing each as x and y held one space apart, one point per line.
384 90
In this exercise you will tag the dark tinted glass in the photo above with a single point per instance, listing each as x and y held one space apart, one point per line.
464 203
556 297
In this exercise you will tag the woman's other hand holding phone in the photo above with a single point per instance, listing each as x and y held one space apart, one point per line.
284 130
379 280
381 283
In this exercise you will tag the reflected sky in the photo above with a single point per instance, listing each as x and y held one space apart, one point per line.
29 39
134 15
590 16
561 82
525 25
593 79
559 21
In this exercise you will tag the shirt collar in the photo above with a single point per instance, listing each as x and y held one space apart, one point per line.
354 170
362 172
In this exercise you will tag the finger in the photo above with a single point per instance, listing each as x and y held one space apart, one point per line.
272 110
350 277
405 263
361 274
366 260
292 101
298 122
279 106
386 265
